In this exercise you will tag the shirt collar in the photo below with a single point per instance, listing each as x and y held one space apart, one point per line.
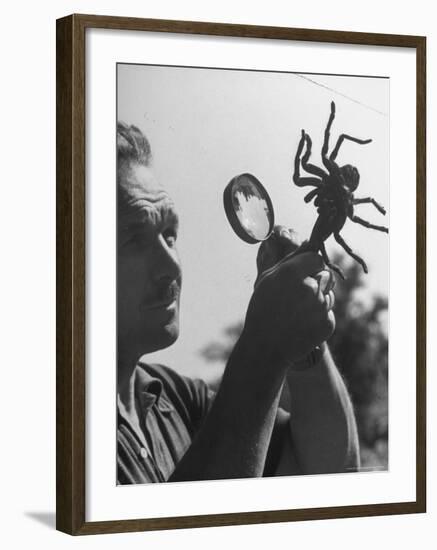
144 392
144 387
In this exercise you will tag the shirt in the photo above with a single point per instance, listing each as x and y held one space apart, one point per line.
164 412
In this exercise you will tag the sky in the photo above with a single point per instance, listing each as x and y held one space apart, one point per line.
206 126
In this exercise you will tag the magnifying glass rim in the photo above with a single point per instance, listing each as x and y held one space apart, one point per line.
232 215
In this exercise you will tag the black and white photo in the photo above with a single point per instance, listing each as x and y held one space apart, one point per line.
265 355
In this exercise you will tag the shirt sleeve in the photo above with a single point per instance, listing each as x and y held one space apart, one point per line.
193 399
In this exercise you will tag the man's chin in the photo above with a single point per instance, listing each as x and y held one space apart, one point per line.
169 336
161 338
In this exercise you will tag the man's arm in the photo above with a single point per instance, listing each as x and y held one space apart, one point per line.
323 435
235 436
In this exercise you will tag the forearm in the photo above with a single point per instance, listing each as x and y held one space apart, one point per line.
235 436
322 420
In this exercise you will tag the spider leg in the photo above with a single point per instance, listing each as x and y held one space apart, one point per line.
298 180
326 161
298 153
359 220
311 195
349 250
340 140
311 168
329 263
304 182
370 201
296 175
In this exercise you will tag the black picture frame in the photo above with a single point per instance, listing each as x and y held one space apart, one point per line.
71 252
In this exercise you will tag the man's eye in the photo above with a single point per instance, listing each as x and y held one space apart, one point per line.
170 236
138 239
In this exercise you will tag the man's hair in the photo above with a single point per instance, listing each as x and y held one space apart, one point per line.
132 146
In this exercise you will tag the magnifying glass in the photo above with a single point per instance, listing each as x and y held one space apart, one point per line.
249 208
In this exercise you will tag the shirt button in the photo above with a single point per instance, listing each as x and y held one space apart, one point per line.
144 452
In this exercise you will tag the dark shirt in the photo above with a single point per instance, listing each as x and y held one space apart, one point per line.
164 413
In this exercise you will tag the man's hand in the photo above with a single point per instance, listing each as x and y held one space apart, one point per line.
289 314
281 243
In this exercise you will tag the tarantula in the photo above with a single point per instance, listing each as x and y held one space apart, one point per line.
333 194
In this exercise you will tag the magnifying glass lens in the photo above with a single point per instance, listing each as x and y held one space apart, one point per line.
249 208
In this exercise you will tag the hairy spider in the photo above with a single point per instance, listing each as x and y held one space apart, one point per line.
333 194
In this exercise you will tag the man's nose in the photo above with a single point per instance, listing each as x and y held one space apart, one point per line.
166 261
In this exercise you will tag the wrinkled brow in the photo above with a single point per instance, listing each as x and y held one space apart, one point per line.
144 216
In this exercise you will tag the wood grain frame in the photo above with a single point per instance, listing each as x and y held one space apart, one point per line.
70 299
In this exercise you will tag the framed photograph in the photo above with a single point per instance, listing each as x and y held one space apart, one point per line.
240 274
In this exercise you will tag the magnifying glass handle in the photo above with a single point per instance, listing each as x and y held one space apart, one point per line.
308 246
321 231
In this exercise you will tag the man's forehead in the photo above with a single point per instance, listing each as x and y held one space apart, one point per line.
136 181
140 195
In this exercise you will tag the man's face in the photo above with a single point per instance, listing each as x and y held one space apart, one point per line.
148 269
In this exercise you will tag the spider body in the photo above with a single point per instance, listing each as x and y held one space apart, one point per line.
333 194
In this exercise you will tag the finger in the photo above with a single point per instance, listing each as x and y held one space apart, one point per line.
330 300
324 279
280 244
288 239
331 322
331 284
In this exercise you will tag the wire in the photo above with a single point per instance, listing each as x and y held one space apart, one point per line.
339 93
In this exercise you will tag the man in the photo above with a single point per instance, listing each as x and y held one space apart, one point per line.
172 428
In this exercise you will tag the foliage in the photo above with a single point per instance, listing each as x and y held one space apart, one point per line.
360 348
